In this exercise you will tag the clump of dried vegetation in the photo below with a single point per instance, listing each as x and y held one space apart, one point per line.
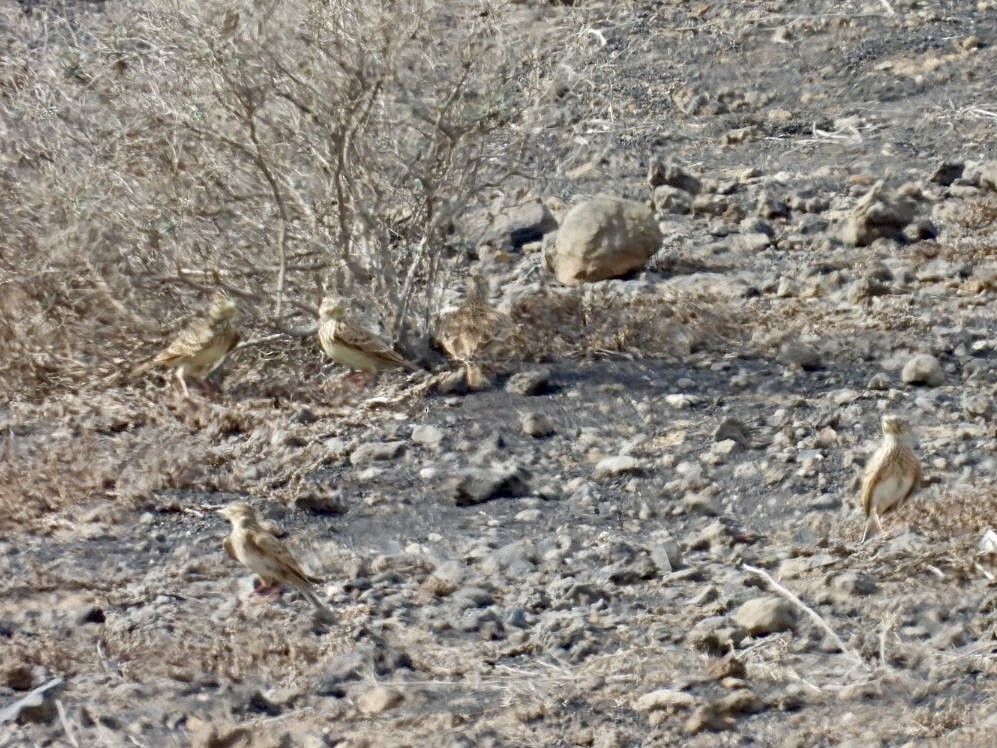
151 154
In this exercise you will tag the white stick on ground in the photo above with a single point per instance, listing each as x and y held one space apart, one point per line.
806 609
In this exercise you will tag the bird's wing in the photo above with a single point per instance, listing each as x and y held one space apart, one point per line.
267 545
915 463
353 336
229 548
872 477
189 341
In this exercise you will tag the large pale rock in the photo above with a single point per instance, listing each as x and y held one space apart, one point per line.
605 237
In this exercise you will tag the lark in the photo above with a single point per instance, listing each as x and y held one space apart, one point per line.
200 347
466 331
262 553
892 475
353 346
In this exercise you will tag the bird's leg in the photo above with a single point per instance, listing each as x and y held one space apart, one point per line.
865 535
267 592
359 378
183 384
879 525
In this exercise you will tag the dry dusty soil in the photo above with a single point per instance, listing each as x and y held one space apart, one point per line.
587 552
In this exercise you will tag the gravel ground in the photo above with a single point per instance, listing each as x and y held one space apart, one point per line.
606 547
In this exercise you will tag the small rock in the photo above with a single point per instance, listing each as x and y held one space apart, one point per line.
664 698
705 717
947 172
741 701
532 382
537 425
427 435
769 207
662 173
668 199
988 176
796 353
320 499
879 214
666 556
223 735
721 449
879 382
616 465
866 288
976 406
766 615
697 503
305 416
854 583
376 451
728 666
731 428
923 369
379 700
445 578
479 486
756 241
715 635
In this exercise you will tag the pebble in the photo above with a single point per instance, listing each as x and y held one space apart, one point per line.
379 699
616 465
537 425
478 485
427 435
529 383
376 452
923 369
664 698
766 615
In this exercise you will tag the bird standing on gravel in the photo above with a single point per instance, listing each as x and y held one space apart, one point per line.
201 345
262 553
353 346
464 332
892 475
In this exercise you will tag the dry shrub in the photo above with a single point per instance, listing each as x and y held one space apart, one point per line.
151 153
953 515
598 320
979 213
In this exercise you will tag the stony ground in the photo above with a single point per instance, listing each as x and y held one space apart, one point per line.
607 547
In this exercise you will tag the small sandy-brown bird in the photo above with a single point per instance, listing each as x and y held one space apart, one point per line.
262 553
466 331
892 475
201 345
351 345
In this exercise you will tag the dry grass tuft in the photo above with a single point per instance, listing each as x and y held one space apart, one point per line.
597 321
951 516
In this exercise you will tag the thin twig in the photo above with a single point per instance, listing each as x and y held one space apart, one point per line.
806 609
888 622
64 719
